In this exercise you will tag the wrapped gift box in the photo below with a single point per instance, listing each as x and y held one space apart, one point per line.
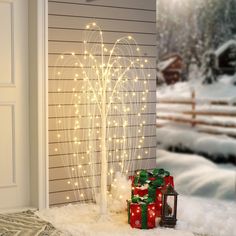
147 187
142 215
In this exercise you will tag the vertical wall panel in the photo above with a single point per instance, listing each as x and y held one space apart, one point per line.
7 146
67 153
6 43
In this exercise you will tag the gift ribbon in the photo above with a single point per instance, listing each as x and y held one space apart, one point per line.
143 177
144 219
145 199
128 206
152 192
160 172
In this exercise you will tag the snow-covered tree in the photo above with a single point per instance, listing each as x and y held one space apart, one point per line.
193 27
210 70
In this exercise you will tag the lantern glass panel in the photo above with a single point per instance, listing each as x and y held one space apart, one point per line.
169 208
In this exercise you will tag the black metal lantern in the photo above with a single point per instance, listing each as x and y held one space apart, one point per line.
169 207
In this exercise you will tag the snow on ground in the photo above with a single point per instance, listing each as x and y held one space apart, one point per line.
195 175
189 138
83 220
206 217
223 89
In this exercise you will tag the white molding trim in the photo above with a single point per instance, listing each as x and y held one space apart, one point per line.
7 0
42 80
12 106
8 186
12 82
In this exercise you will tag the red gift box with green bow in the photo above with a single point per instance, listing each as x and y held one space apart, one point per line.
147 186
142 215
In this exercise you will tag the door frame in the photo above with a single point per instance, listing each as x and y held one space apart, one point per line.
37 182
43 102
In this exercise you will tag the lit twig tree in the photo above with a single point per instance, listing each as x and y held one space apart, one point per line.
109 94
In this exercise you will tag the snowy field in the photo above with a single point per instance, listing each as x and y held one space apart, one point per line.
194 175
173 135
223 89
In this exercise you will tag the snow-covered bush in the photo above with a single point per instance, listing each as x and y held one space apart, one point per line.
120 192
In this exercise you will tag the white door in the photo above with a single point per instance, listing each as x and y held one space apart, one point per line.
14 104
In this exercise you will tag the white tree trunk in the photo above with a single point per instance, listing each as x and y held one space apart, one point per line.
104 165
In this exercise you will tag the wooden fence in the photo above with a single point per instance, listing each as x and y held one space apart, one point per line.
194 116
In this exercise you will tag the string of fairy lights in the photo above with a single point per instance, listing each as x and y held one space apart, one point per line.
99 86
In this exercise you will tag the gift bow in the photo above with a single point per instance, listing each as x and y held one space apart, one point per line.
143 177
145 199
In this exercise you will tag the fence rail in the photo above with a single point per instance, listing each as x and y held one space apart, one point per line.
194 117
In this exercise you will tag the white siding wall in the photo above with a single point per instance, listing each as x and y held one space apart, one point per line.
67 19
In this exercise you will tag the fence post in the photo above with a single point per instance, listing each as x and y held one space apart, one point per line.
193 108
